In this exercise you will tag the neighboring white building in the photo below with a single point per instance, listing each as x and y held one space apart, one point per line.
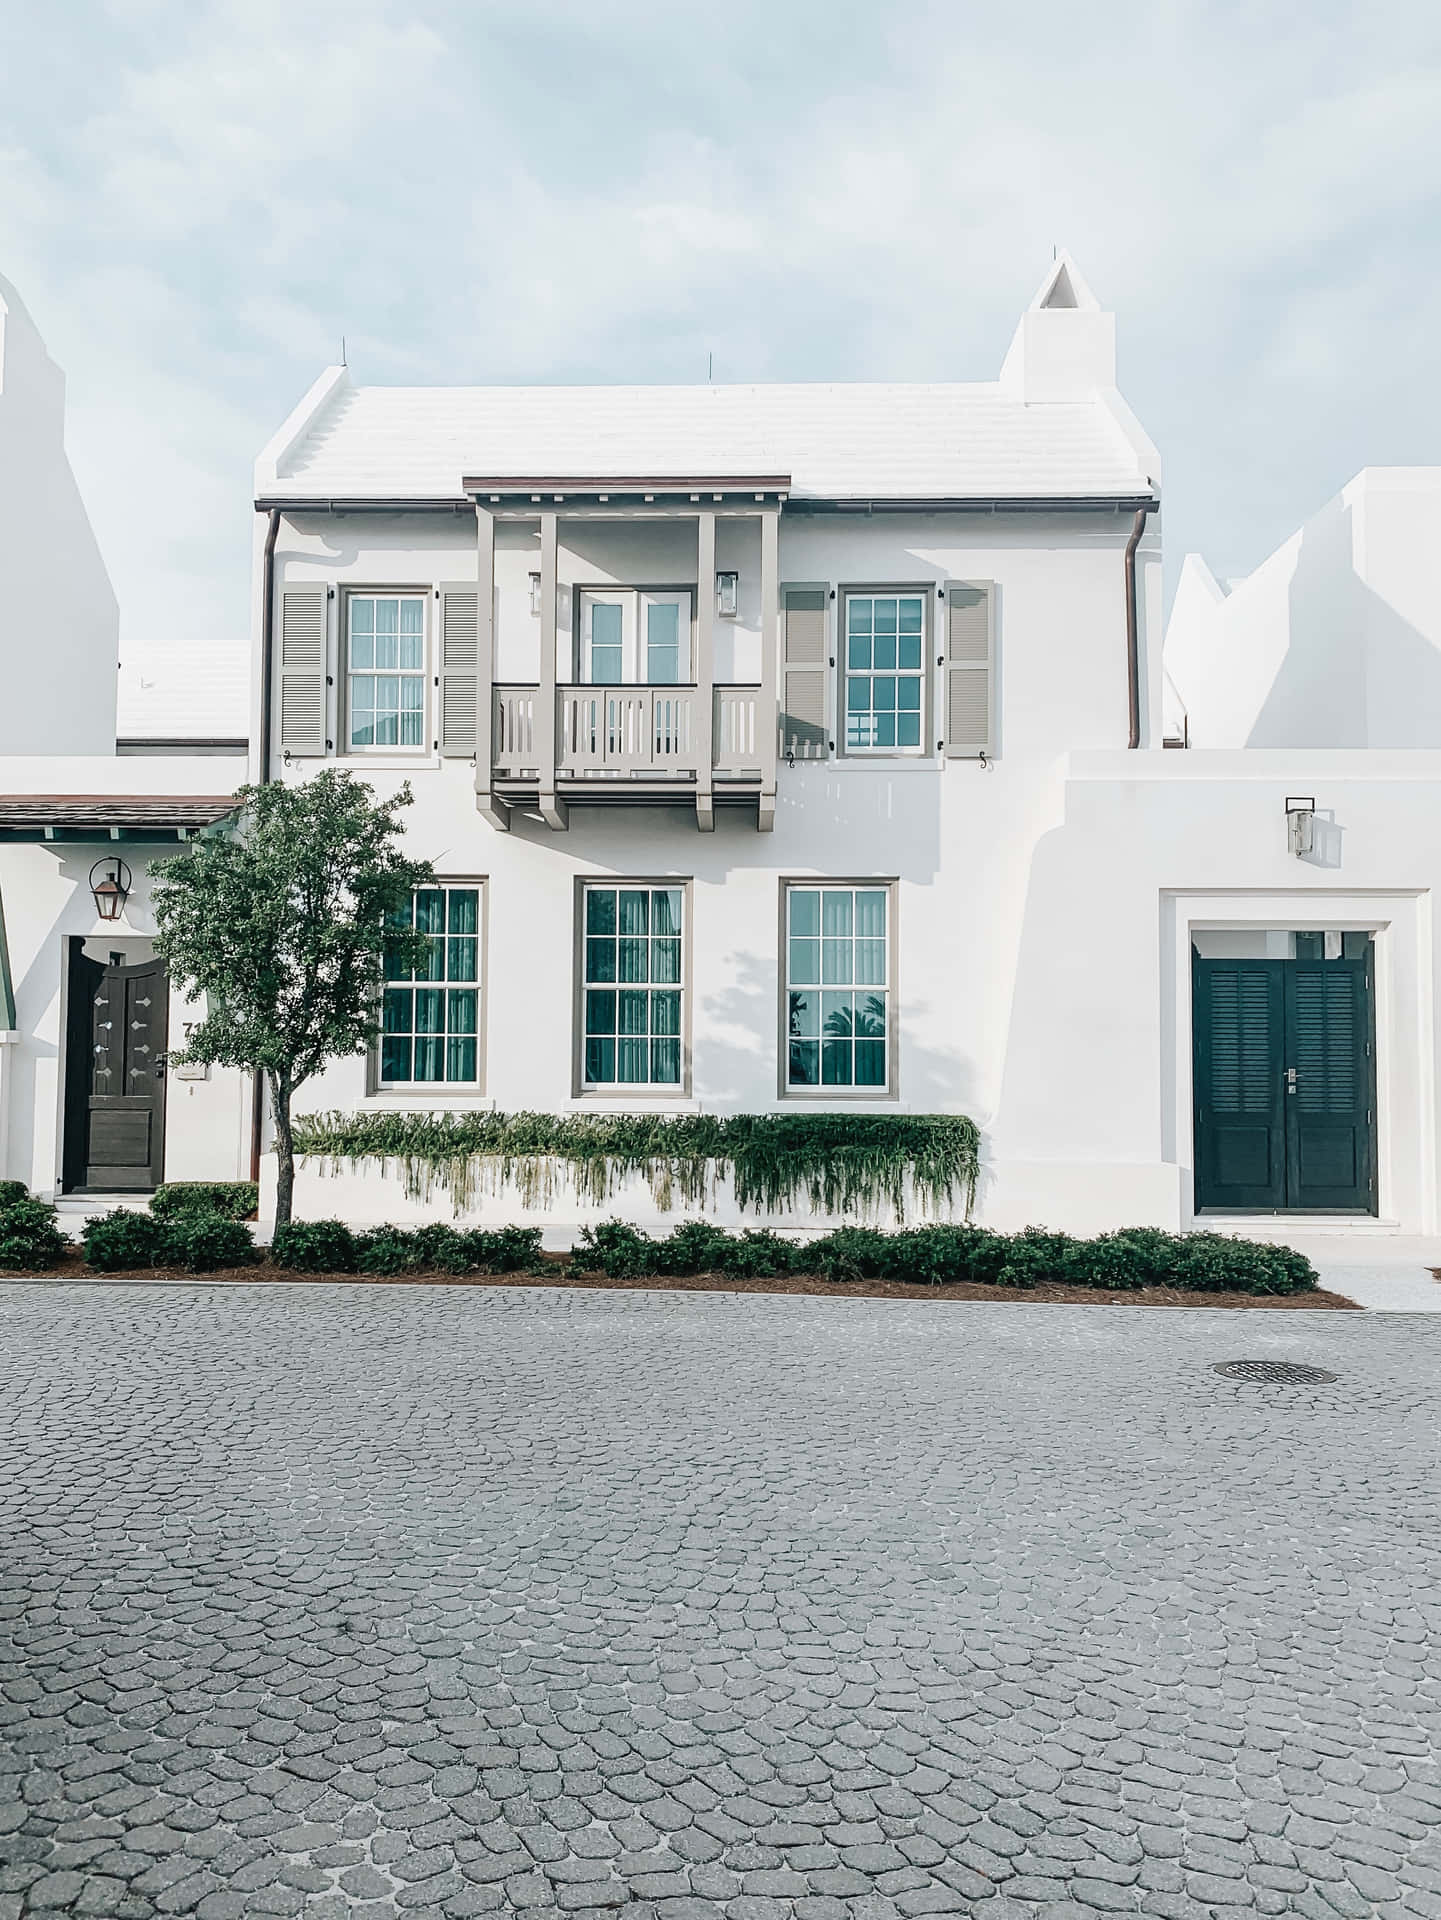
86 1015
802 745
1335 641
61 621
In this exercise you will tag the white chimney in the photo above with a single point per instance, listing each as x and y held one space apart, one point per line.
1065 346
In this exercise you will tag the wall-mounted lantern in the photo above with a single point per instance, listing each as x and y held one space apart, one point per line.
110 886
1300 824
535 594
727 595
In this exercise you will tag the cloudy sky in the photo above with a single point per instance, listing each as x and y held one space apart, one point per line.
197 200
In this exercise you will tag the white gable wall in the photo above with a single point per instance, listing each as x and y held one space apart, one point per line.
61 621
1335 640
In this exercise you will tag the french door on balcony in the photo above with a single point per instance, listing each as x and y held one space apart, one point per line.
630 637
1285 1098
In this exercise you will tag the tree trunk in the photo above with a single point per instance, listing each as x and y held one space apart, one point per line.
284 1147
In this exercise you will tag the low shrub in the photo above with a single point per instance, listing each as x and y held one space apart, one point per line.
1119 1262
122 1241
329 1246
30 1240
501 1249
204 1243
385 1250
616 1250
232 1199
313 1246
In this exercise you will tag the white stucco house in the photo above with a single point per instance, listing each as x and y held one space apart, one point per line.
787 749
805 747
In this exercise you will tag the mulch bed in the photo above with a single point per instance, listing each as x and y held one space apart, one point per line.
75 1269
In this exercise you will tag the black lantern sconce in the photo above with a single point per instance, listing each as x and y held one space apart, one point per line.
110 886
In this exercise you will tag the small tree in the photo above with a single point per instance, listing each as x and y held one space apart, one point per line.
286 927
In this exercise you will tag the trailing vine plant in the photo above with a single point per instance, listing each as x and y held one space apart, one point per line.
835 1163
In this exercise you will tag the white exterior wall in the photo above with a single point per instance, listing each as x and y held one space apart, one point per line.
958 838
1044 984
60 619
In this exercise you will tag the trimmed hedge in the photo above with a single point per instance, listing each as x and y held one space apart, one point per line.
232 1199
30 1240
1124 1261
329 1246
201 1242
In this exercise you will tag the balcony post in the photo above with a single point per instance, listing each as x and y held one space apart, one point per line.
552 809
705 671
486 800
768 719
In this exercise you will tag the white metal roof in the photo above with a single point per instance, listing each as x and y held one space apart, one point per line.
182 689
837 442
1052 427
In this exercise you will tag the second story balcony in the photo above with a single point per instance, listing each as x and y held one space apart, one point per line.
635 701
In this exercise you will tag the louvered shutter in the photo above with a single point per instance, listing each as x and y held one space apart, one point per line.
969 691
805 729
459 618
302 670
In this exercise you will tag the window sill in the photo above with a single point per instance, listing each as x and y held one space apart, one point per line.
419 1100
633 1103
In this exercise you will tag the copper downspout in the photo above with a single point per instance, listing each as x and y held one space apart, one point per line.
267 646
1133 643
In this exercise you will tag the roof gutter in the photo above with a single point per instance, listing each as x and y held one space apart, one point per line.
1133 625
267 648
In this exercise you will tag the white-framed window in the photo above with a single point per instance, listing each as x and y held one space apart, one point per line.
884 672
430 1018
633 986
385 670
631 636
838 987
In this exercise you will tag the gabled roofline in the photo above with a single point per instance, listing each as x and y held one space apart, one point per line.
297 423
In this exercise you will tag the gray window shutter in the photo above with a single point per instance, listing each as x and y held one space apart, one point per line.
459 638
805 722
302 670
969 689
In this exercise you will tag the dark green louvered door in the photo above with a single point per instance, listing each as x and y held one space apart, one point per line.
1284 1084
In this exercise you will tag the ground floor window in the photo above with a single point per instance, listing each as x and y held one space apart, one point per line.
632 1010
430 1019
838 987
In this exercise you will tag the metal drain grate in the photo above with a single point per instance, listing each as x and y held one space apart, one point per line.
1273 1373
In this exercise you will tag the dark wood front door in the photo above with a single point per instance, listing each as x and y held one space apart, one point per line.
1285 1084
115 1079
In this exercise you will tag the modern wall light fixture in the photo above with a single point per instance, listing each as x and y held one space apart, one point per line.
727 595
1300 824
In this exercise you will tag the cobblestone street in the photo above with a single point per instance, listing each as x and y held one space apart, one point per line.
356 1602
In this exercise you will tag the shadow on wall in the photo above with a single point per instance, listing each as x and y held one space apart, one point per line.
1356 673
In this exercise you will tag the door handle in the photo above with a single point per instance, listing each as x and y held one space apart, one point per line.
1290 1079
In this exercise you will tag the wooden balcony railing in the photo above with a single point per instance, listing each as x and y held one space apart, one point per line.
628 733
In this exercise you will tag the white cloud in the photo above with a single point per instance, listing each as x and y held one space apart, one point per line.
198 211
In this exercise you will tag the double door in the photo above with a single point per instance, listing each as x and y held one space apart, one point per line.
1285 1084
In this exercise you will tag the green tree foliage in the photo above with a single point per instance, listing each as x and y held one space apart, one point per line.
282 926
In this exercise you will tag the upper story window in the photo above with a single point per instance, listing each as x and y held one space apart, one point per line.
634 637
884 675
838 988
385 670
631 999
430 1020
